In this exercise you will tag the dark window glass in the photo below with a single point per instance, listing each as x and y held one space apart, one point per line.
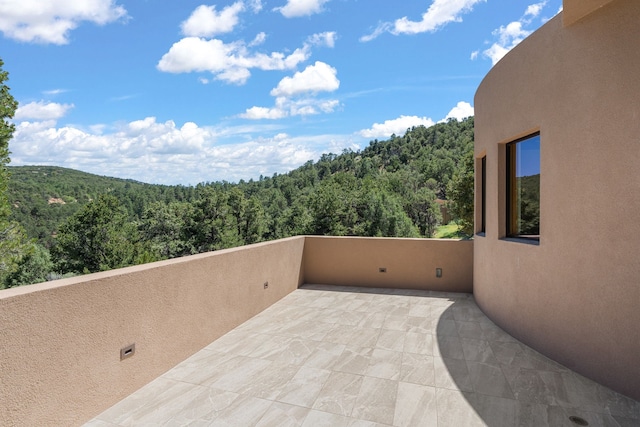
483 177
523 188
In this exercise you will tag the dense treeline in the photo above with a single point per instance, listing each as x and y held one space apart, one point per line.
43 197
86 223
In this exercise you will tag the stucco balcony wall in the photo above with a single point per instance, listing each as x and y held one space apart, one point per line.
60 341
406 263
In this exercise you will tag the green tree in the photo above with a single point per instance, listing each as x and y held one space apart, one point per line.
296 220
249 216
214 225
383 216
424 211
99 237
33 267
333 206
13 246
8 106
13 242
461 194
165 228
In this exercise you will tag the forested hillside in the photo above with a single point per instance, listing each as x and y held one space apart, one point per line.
91 223
43 197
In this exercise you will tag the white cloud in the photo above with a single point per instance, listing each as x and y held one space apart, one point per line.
297 8
259 113
328 106
196 54
171 154
205 21
396 126
295 95
285 107
474 55
51 21
255 5
42 110
327 39
534 10
258 40
98 129
380 29
400 125
235 75
230 62
311 106
319 77
439 14
123 97
461 111
510 35
54 92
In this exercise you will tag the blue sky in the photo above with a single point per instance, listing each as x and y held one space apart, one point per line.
182 92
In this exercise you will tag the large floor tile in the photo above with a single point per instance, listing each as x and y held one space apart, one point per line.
384 364
325 355
452 374
391 340
244 411
325 419
415 406
418 369
357 357
354 360
376 400
339 393
418 343
283 415
489 380
304 387
448 346
455 409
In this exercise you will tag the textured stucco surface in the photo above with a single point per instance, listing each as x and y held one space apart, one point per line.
60 341
60 354
575 10
409 263
574 297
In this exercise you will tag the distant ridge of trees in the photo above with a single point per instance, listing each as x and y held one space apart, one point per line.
91 223
43 197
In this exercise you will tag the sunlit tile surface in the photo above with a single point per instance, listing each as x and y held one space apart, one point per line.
338 356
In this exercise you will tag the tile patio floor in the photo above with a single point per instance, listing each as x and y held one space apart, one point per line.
337 356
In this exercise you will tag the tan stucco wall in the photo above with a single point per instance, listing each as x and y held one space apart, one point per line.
575 297
574 10
410 263
60 341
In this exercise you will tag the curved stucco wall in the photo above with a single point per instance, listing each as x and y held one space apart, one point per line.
576 296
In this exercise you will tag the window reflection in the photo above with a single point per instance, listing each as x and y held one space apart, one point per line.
523 192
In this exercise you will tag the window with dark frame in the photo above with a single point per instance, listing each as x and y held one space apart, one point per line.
523 188
483 189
